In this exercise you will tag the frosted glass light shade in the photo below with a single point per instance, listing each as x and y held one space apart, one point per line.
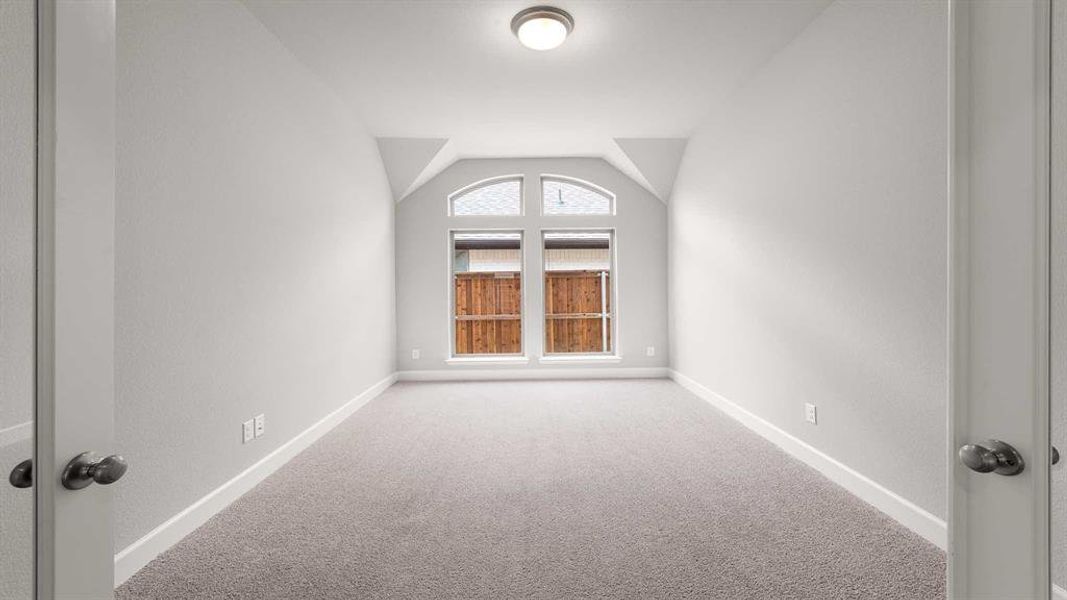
542 27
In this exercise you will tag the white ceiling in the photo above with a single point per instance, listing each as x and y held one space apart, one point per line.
451 69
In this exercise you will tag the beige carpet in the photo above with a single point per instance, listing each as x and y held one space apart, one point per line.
595 489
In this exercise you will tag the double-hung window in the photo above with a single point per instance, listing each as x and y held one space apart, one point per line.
486 293
579 292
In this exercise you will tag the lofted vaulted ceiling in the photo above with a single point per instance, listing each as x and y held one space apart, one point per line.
439 80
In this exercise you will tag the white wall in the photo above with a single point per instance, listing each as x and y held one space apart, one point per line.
254 252
422 226
808 244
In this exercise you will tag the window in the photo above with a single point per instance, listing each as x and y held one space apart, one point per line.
486 293
495 197
579 298
561 196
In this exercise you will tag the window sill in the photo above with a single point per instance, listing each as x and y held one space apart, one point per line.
488 360
581 359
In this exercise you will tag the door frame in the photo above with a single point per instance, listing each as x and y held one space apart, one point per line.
1024 571
44 435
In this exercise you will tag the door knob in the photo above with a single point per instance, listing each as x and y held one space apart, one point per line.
87 467
1055 455
992 456
22 475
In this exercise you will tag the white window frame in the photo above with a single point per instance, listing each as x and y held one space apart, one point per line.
580 183
591 357
515 358
449 201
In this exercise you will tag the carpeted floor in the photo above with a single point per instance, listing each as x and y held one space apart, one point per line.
581 489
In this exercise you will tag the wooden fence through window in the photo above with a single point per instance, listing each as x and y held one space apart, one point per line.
577 312
489 308
488 313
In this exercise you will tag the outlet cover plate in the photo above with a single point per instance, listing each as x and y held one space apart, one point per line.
811 414
260 423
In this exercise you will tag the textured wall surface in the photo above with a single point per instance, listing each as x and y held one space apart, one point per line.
422 226
808 244
255 252
17 130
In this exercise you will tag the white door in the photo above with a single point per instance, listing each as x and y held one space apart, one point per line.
17 46
1058 295
75 219
999 307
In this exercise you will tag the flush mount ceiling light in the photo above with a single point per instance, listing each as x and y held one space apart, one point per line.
542 27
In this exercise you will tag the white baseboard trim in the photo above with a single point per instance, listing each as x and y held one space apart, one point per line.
525 374
1058 593
138 554
899 508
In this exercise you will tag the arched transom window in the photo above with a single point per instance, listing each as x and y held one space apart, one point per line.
562 196
500 196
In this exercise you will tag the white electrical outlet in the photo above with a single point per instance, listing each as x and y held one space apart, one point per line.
260 422
248 430
810 414
650 351
415 354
